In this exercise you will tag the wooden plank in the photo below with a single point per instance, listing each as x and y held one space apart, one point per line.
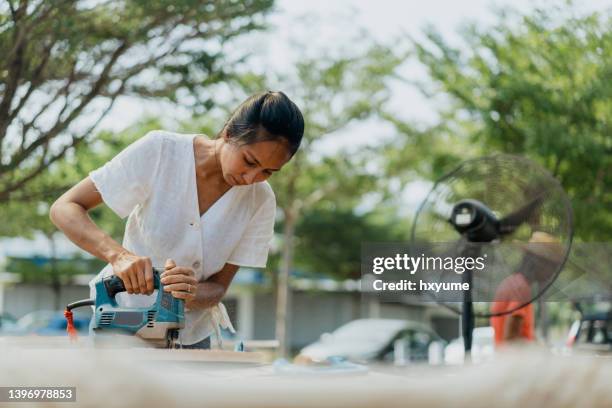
120 378
188 355
133 350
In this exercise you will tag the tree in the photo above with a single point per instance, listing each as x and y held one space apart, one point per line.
64 63
32 215
538 85
24 218
332 91
329 239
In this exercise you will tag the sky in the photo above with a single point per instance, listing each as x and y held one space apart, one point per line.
325 23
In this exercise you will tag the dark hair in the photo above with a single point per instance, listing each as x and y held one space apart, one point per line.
266 116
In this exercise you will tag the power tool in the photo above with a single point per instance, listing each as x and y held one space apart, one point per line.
158 324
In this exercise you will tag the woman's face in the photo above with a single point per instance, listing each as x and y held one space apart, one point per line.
252 163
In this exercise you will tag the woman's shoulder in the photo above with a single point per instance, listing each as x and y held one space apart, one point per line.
262 193
170 144
169 136
266 190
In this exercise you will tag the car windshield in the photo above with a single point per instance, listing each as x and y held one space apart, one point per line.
376 331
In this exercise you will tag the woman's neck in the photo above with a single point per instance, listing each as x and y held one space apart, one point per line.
207 161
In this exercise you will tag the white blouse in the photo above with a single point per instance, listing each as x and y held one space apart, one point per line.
153 181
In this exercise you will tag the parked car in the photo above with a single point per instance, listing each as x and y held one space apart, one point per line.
374 340
7 322
47 323
592 332
483 347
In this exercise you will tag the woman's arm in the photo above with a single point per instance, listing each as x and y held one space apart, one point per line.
211 291
69 214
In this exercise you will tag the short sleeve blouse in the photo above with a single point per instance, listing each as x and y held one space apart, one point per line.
153 183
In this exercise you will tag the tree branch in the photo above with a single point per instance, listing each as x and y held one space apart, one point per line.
15 71
41 195
5 193
61 125
13 11
319 194
35 82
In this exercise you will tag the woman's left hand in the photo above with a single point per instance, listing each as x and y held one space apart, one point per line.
180 281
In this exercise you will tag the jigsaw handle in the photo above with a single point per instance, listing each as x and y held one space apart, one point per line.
114 284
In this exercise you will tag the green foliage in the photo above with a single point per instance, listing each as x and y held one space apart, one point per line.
334 89
538 85
330 240
64 63
23 218
333 92
46 271
32 215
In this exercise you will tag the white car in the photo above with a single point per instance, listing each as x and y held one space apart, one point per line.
383 340
483 347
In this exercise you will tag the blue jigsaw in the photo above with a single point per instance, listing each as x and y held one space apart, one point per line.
159 323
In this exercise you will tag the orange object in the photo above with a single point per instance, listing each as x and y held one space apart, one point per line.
513 292
72 332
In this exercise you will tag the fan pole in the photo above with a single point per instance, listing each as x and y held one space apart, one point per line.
467 315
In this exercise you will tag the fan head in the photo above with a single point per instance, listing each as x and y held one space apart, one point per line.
508 209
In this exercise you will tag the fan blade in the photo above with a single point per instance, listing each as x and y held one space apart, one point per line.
512 221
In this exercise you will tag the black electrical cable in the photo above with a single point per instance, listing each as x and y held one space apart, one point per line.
80 303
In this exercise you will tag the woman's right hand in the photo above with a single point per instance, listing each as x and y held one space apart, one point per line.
135 271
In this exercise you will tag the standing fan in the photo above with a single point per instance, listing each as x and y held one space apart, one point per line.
494 207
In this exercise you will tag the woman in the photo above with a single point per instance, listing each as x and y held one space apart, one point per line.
200 207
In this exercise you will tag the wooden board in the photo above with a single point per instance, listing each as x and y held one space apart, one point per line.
137 377
213 356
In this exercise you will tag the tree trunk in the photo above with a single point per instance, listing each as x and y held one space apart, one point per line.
283 301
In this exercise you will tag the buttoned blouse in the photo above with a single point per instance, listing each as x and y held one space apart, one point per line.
153 183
